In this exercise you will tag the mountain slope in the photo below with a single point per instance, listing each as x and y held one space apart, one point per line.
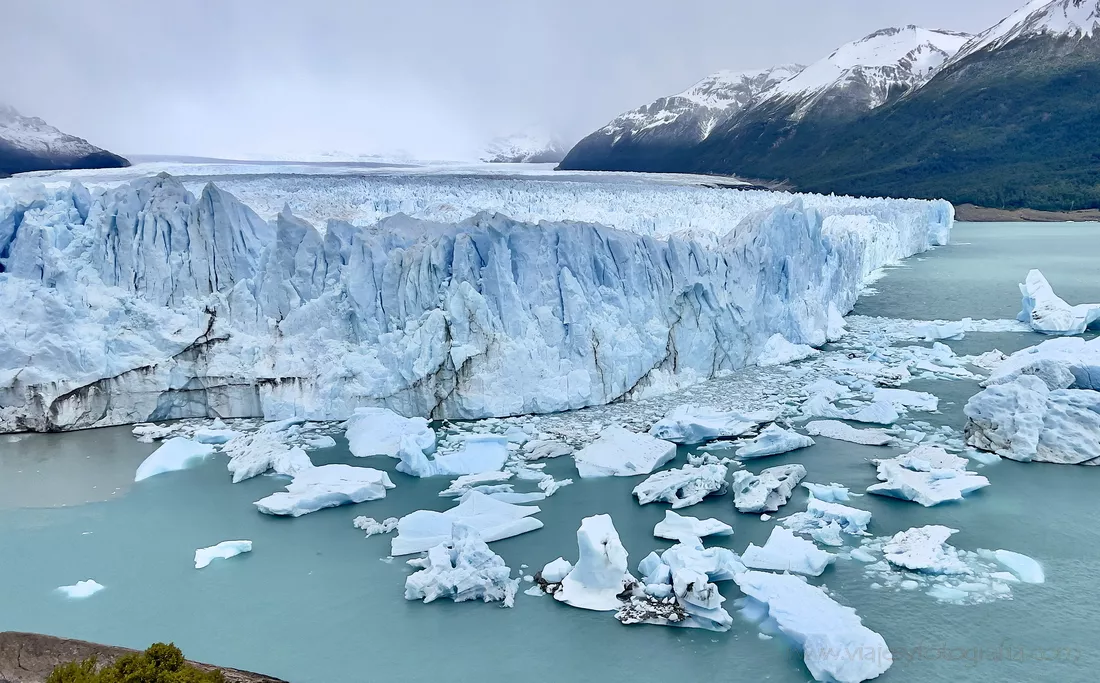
30 144
524 148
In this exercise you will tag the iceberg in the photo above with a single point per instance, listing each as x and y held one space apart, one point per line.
221 551
462 568
675 527
1065 363
768 491
877 412
174 454
251 455
778 351
773 440
622 453
1022 567
831 493
824 630
684 486
215 435
326 486
927 475
380 431
373 527
555 571
1049 314
934 331
144 301
480 453
925 549
692 425
492 519
81 589
904 398
832 429
823 520
600 575
786 552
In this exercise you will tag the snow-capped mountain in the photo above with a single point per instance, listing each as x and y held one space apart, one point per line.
1073 18
30 144
524 148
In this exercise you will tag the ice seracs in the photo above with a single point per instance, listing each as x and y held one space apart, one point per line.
833 429
689 424
381 431
221 551
816 624
786 552
772 440
326 486
462 568
81 589
1049 314
619 452
492 519
927 475
600 574
174 454
768 491
676 527
683 486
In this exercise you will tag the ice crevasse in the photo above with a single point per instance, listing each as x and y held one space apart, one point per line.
145 302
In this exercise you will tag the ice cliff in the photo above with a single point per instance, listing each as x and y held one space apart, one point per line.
146 302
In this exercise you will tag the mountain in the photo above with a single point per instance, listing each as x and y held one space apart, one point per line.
30 144
524 148
769 105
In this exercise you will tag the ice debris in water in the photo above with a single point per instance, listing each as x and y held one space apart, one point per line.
676 527
933 331
688 424
825 521
772 440
620 452
1024 568
927 475
324 487
462 568
786 552
492 519
601 574
1047 313
555 571
373 527
831 493
925 549
381 431
876 412
905 398
838 430
479 453
174 454
768 491
81 589
683 486
816 624
779 351
221 551
253 454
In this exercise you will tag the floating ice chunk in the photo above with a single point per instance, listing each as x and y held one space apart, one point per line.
688 424
550 486
861 555
833 493
466 482
832 429
492 519
818 625
1023 567
324 487
601 574
251 455
379 431
927 475
463 568
684 486
1067 363
679 528
835 325
773 440
622 453
148 433
877 412
778 351
827 388
318 442
174 454
990 360
925 549
545 448
933 331
557 570
81 589
221 551
904 398
373 527
768 491
821 514
786 552
1049 314
480 453
214 436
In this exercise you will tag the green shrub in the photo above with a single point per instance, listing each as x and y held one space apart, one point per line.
159 664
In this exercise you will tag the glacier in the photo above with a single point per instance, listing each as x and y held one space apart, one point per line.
147 302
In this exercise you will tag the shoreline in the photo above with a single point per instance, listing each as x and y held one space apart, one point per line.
969 213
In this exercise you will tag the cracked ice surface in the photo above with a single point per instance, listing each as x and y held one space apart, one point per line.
146 302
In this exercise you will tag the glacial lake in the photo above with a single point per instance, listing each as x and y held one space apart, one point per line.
315 602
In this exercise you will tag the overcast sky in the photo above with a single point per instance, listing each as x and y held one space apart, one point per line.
435 78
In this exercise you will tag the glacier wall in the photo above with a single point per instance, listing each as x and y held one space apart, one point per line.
146 302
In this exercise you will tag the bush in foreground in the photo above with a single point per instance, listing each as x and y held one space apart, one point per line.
159 664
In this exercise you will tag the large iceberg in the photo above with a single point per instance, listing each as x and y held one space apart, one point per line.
462 568
767 492
144 302
620 452
786 552
927 475
480 453
773 440
690 425
174 454
491 519
326 486
601 574
380 431
677 527
1049 314
684 486
1068 363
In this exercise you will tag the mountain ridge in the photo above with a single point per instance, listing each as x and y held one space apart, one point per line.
28 143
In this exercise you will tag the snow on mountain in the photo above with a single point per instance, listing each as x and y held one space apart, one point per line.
146 302
524 148
29 143
1074 18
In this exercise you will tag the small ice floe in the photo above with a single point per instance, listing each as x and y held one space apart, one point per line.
81 589
380 431
492 519
148 433
540 449
768 491
786 552
816 624
319 442
1022 567
676 527
221 551
832 493
688 424
683 486
1047 313
600 574
875 412
925 549
936 330
779 351
557 570
216 434
622 453
324 487
174 454
468 482
479 453
373 527
825 521
266 449
990 360
927 475
832 429
773 440
905 398
462 568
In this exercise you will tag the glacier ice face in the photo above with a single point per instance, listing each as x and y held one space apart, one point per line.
620 452
767 492
326 486
684 486
691 425
462 568
492 519
677 527
174 454
786 552
1047 313
221 551
601 574
773 440
146 302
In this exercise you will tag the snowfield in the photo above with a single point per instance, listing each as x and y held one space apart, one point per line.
499 296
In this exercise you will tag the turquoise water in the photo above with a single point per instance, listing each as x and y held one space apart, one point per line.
314 603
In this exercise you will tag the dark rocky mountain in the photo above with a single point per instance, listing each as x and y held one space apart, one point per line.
30 144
